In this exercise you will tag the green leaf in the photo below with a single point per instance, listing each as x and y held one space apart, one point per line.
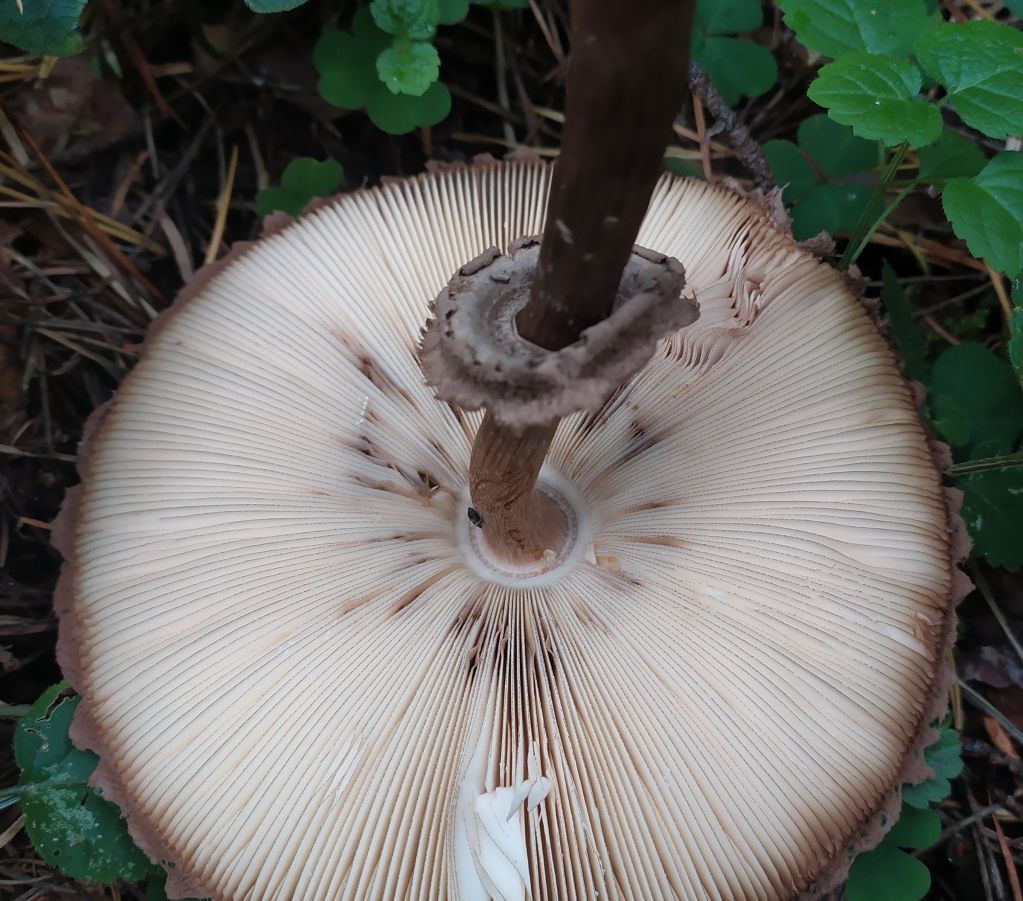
1015 345
83 835
42 745
312 178
409 67
49 27
273 6
684 168
928 792
830 208
413 19
451 12
837 27
71 826
738 68
905 332
347 67
834 148
887 874
981 66
984 389
400 113
302 180
914 829
729 16
876 95
993 512
951 156
986 211
944 756
791 169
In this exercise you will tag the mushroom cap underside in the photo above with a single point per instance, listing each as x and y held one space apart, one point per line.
302 682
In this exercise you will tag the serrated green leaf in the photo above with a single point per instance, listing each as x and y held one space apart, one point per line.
925 793
876 95
834 148
738 68
993 512
409 67
413 19
48 27
981 66
791 169
915 828
451 12
887 874
398 114
905 331
837 27
830 208
729 16
951 156
984 389
83 835
273 6
986 211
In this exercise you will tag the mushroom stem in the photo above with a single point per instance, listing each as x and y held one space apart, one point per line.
520 523
626 83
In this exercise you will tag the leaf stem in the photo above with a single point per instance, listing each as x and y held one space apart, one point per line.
869 220
988 463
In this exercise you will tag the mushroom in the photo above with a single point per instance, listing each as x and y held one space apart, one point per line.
307 676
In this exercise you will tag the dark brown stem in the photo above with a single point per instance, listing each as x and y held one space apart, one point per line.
725 120
626 82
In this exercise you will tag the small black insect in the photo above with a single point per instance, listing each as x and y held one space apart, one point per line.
475 518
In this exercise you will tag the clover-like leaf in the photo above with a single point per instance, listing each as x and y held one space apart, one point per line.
413 19
876 96
401 113
915 828
944 757
993 512
409 67
981 387
830 208
302 180
835 148
273 6
451 12
951 156
980 64
738 68
48 27
792 170
986 211
728 16
837 27
887 874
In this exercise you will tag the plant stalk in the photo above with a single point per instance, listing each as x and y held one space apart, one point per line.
626 82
